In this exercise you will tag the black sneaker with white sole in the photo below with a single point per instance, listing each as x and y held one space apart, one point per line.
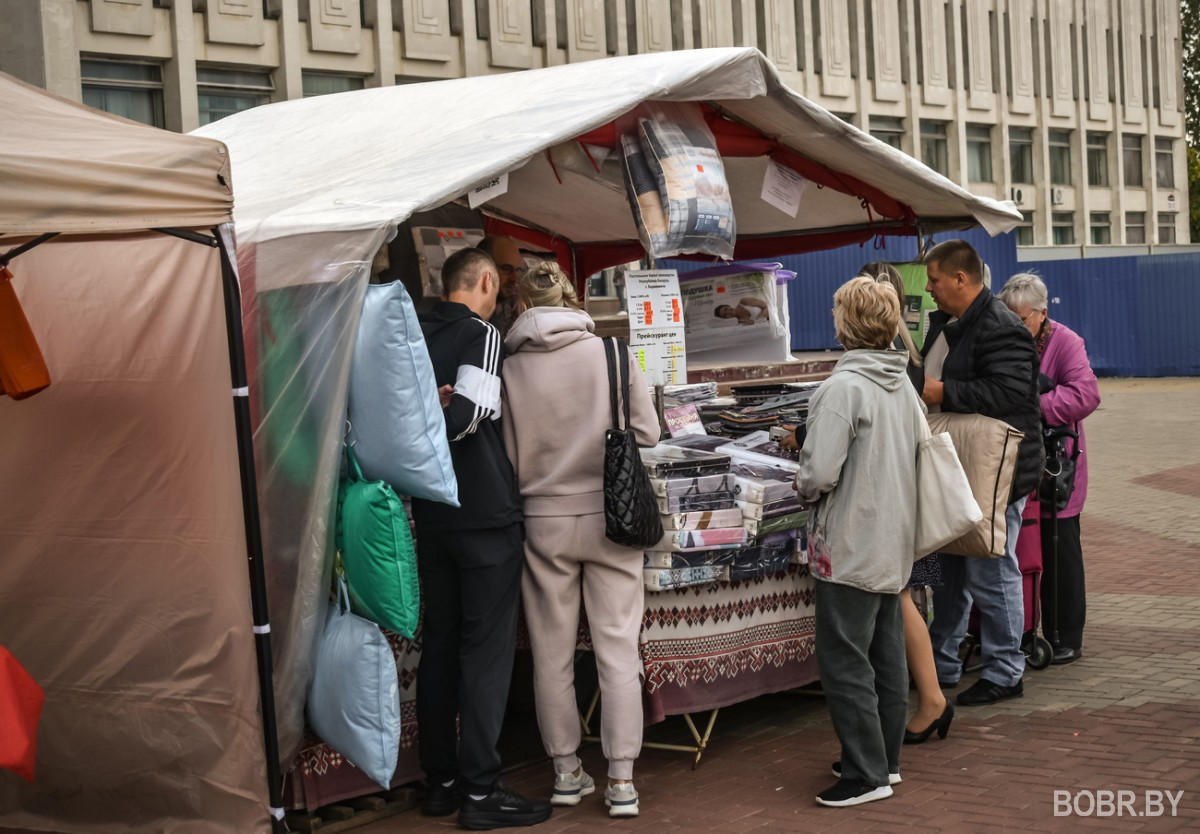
502 808
849 792
893 778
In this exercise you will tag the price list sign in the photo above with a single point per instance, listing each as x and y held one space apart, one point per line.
656 325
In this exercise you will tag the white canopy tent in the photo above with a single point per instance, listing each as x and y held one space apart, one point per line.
324 182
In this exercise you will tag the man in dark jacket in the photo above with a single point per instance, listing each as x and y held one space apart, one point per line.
470 559
980 359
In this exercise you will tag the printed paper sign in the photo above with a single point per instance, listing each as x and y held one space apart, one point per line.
489 190
783 188
656 325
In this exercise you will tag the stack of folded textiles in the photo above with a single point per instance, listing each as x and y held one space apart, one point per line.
742 522
773 515
702 523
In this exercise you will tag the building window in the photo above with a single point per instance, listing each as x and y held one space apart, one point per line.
124 88
1131 157
1060 157
223 92
1063 223
979 153
1020 151
1135 227
1025 229
1101 228
889 130
1097 159
1164 163
322 84
1166 227
934 149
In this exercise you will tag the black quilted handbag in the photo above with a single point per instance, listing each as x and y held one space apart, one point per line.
630 512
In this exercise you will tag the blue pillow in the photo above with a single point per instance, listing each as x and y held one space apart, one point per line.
354 700
396 421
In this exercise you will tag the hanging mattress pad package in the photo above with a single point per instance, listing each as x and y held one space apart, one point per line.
676 182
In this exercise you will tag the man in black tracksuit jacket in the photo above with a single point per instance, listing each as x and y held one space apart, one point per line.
470 558
980 359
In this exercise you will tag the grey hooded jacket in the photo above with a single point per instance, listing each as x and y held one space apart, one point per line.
859 468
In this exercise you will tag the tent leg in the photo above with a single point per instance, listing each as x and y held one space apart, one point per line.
254 549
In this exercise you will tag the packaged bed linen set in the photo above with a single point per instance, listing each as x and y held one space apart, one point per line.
710 535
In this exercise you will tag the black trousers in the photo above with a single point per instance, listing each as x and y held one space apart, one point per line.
860 652
1064 598
471 585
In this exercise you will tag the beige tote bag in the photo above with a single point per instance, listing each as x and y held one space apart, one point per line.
946 507
987 450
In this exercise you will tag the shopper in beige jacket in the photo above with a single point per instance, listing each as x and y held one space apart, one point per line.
556 407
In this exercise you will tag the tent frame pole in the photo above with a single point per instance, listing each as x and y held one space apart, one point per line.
253 528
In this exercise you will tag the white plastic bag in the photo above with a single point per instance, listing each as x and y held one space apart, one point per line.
354 699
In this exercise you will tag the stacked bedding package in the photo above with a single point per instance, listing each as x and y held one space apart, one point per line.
702 523
765 494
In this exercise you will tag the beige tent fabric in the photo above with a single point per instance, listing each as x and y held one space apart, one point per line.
123 580
68 168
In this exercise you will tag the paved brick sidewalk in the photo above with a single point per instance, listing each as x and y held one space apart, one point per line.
1125 717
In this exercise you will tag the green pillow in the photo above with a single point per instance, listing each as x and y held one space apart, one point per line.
377 551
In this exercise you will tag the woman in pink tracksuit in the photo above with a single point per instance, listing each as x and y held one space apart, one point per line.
1069 393
556 411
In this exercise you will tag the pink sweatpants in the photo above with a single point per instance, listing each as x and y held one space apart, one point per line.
566 556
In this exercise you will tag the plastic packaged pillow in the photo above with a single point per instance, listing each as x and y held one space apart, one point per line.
396 420
354 699
377 551
681 152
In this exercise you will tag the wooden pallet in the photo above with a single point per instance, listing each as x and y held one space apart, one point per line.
352 813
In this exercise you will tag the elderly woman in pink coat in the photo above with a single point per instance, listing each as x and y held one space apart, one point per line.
1069 393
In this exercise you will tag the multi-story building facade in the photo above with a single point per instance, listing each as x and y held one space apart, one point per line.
1072 108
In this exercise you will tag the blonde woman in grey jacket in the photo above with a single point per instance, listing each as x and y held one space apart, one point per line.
858 468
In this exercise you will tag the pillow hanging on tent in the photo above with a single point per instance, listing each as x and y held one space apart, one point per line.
23 370
354 699
397 427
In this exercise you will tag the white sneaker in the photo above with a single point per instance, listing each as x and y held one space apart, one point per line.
622 800
569 788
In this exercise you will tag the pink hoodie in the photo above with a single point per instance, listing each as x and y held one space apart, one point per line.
1075 395
556 410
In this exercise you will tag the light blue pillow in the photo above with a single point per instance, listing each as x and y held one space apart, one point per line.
397 426
354 700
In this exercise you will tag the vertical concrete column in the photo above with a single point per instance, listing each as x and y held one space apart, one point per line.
37 45
181 106
385 44
288 81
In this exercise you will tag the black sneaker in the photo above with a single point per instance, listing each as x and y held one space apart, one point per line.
849 792
502 808
441 800
985 692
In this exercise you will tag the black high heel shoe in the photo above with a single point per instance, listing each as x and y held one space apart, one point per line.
940 724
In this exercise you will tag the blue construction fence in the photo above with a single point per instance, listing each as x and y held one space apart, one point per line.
1140 315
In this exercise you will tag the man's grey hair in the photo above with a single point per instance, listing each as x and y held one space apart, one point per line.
1025 290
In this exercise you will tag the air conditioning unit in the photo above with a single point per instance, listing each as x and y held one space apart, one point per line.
1018 196
1056 196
